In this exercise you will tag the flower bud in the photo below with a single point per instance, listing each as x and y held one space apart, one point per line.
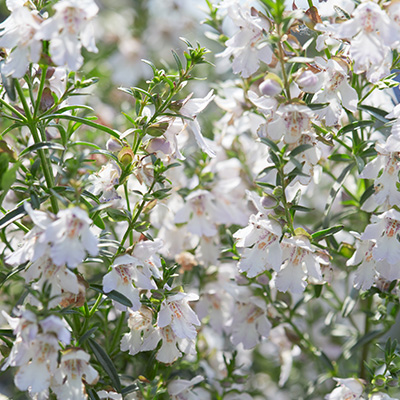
270 87
269 201
157 129
126 156
113 145
307 79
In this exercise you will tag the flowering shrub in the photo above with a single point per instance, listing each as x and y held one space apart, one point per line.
205 224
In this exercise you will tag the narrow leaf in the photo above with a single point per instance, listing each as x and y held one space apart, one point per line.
42 146
105 361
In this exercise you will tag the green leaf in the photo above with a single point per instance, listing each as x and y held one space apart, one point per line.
8 83
369 337
349 303
69 108
271 144
81 143
129 389
326 232
334 191
117 215
105 361
354 126
301 208
367 194
87 335
300 149
83 121
92 394
340 157
177 60
113 295
375 112
41 146
317 106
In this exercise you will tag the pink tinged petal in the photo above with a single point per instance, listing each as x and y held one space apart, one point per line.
91 375
253 261
69 251
349 96
183 215
276 129
150 342
183 329
68 280
388 271
195 106
371 170
263 326
373 231
245 334
88 38
168 353
365 275
387 249
291 278
313 267
90 241
275 255
33 376
201 141
164 316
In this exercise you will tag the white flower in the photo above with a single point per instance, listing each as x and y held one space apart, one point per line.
103 182
60 278
199 212
68 30
18 32
33 246
290 122
262 248
42 356
248 46
332 88
301 260
120 278
176 312
70 237
73 368
141 328
249 322
369 269
190 108
348 388
385 184
35 349
181 389
384 230
172 346
372 35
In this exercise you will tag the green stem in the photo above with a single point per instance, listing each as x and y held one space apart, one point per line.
96 305
310 3
282 62
40 91
44 161
365 348
128 206
13 110
135 218
284 202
